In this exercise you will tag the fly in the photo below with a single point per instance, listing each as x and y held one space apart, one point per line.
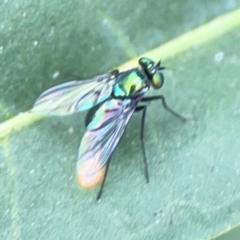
112 99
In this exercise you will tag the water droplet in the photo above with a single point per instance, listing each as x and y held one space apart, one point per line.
219 57
105 21
35 43
55 74
51 32
70 130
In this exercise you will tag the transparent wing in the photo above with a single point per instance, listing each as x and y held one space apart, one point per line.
103 134
75 96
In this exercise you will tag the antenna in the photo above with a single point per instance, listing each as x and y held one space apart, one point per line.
158 65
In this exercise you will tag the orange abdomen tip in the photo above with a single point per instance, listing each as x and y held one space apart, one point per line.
87 180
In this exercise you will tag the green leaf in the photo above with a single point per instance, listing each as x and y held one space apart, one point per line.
194 167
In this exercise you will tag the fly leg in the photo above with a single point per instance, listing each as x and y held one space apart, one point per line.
104 178
144 110
160 97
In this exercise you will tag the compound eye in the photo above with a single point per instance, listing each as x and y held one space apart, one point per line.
157 80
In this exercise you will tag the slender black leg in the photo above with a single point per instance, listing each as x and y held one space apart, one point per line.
160 97
104 178
144 110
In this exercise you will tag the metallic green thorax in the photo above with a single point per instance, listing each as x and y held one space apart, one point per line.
129 83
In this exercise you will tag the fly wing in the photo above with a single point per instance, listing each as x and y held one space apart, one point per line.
74 96
102 136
